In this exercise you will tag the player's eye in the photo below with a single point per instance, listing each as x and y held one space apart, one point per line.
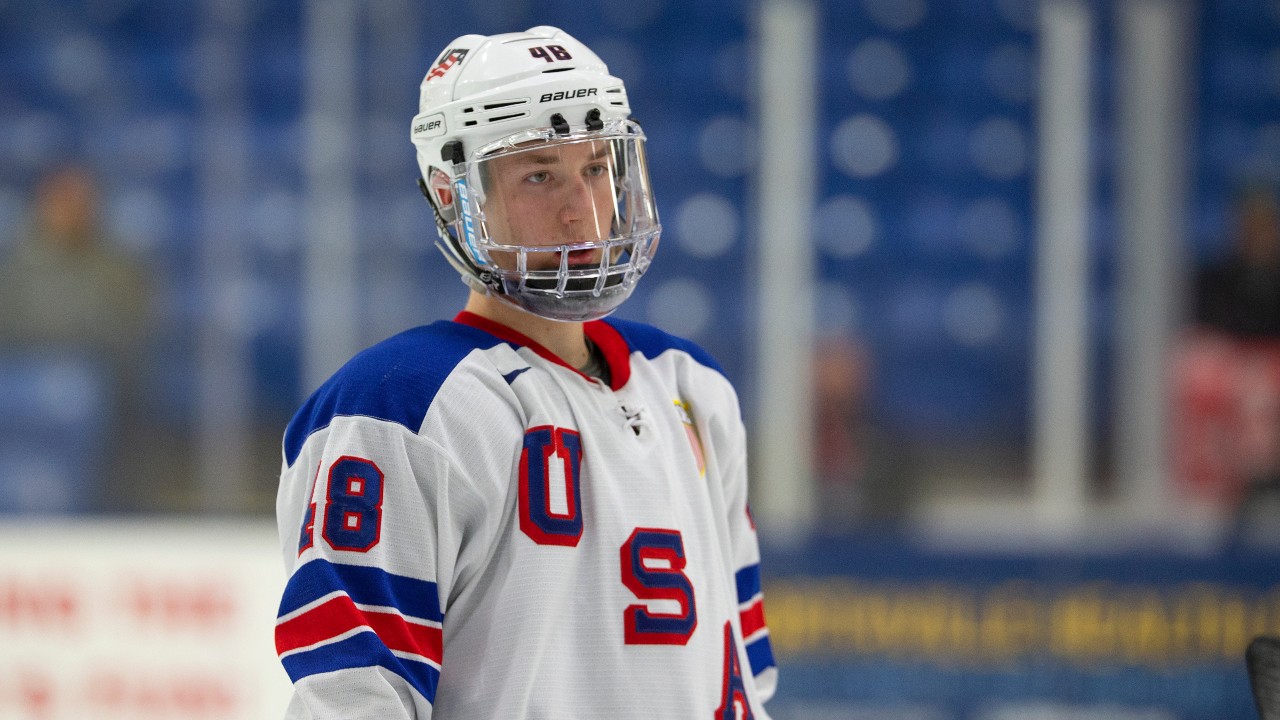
597 170
538 178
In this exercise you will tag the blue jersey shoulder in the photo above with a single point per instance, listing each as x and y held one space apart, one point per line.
395 380
652 342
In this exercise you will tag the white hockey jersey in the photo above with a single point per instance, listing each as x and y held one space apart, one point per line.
475 530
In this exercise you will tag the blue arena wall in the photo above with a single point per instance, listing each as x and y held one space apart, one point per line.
878 624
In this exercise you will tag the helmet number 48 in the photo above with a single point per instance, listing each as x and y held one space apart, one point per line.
550 53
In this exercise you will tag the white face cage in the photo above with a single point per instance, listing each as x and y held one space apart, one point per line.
557 222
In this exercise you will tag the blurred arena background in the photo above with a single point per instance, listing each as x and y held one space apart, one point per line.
998 280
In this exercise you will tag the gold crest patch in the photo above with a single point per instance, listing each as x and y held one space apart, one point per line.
692 432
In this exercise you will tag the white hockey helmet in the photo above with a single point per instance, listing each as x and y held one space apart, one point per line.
537 175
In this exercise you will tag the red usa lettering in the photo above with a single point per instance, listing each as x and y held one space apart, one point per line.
567 95
451 57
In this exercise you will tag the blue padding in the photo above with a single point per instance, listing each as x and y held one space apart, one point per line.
362 650
365 586
652 342
760 655
395 380
748 579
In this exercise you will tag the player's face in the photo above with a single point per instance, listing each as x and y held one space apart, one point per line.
549 197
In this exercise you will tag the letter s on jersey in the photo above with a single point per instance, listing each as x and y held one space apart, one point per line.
653 564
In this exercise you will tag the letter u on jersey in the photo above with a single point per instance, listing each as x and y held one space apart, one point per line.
546 516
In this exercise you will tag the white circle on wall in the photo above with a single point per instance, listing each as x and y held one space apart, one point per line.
878 69
998 148
681 306
278 219
706 225
864 146
727 146
139 219
78 64
973 314
845 226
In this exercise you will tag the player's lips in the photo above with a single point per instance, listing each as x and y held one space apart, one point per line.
582 257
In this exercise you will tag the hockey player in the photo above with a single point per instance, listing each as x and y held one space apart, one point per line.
529 511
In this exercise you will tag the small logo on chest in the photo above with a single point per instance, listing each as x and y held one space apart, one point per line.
691 431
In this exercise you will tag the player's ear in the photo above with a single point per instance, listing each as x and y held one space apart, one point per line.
438 190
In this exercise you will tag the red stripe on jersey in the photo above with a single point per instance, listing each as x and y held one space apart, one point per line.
340 615
502 332
617 354
753 618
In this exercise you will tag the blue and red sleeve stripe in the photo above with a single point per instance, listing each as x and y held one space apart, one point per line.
755 633
335 616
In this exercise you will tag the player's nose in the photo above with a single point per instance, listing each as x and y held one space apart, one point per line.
576 202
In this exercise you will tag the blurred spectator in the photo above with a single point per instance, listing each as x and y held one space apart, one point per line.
862 476
65 285
1226 371
1241 294
67 292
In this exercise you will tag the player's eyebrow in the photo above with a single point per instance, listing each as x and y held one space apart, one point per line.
538 159
549 157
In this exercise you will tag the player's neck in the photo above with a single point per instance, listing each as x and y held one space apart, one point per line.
567 340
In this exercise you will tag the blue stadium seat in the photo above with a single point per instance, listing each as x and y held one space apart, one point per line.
54 416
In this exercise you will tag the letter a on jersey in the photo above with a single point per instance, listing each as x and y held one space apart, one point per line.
733 697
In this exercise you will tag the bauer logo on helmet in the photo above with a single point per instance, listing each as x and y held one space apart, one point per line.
567 95
429 125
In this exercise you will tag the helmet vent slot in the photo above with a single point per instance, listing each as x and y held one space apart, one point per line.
500 118
556 70
509 103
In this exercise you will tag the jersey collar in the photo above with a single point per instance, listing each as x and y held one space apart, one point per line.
614 348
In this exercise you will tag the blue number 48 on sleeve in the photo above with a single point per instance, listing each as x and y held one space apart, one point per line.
353 511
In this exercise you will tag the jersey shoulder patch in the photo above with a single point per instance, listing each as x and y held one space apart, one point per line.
652 342
395 380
